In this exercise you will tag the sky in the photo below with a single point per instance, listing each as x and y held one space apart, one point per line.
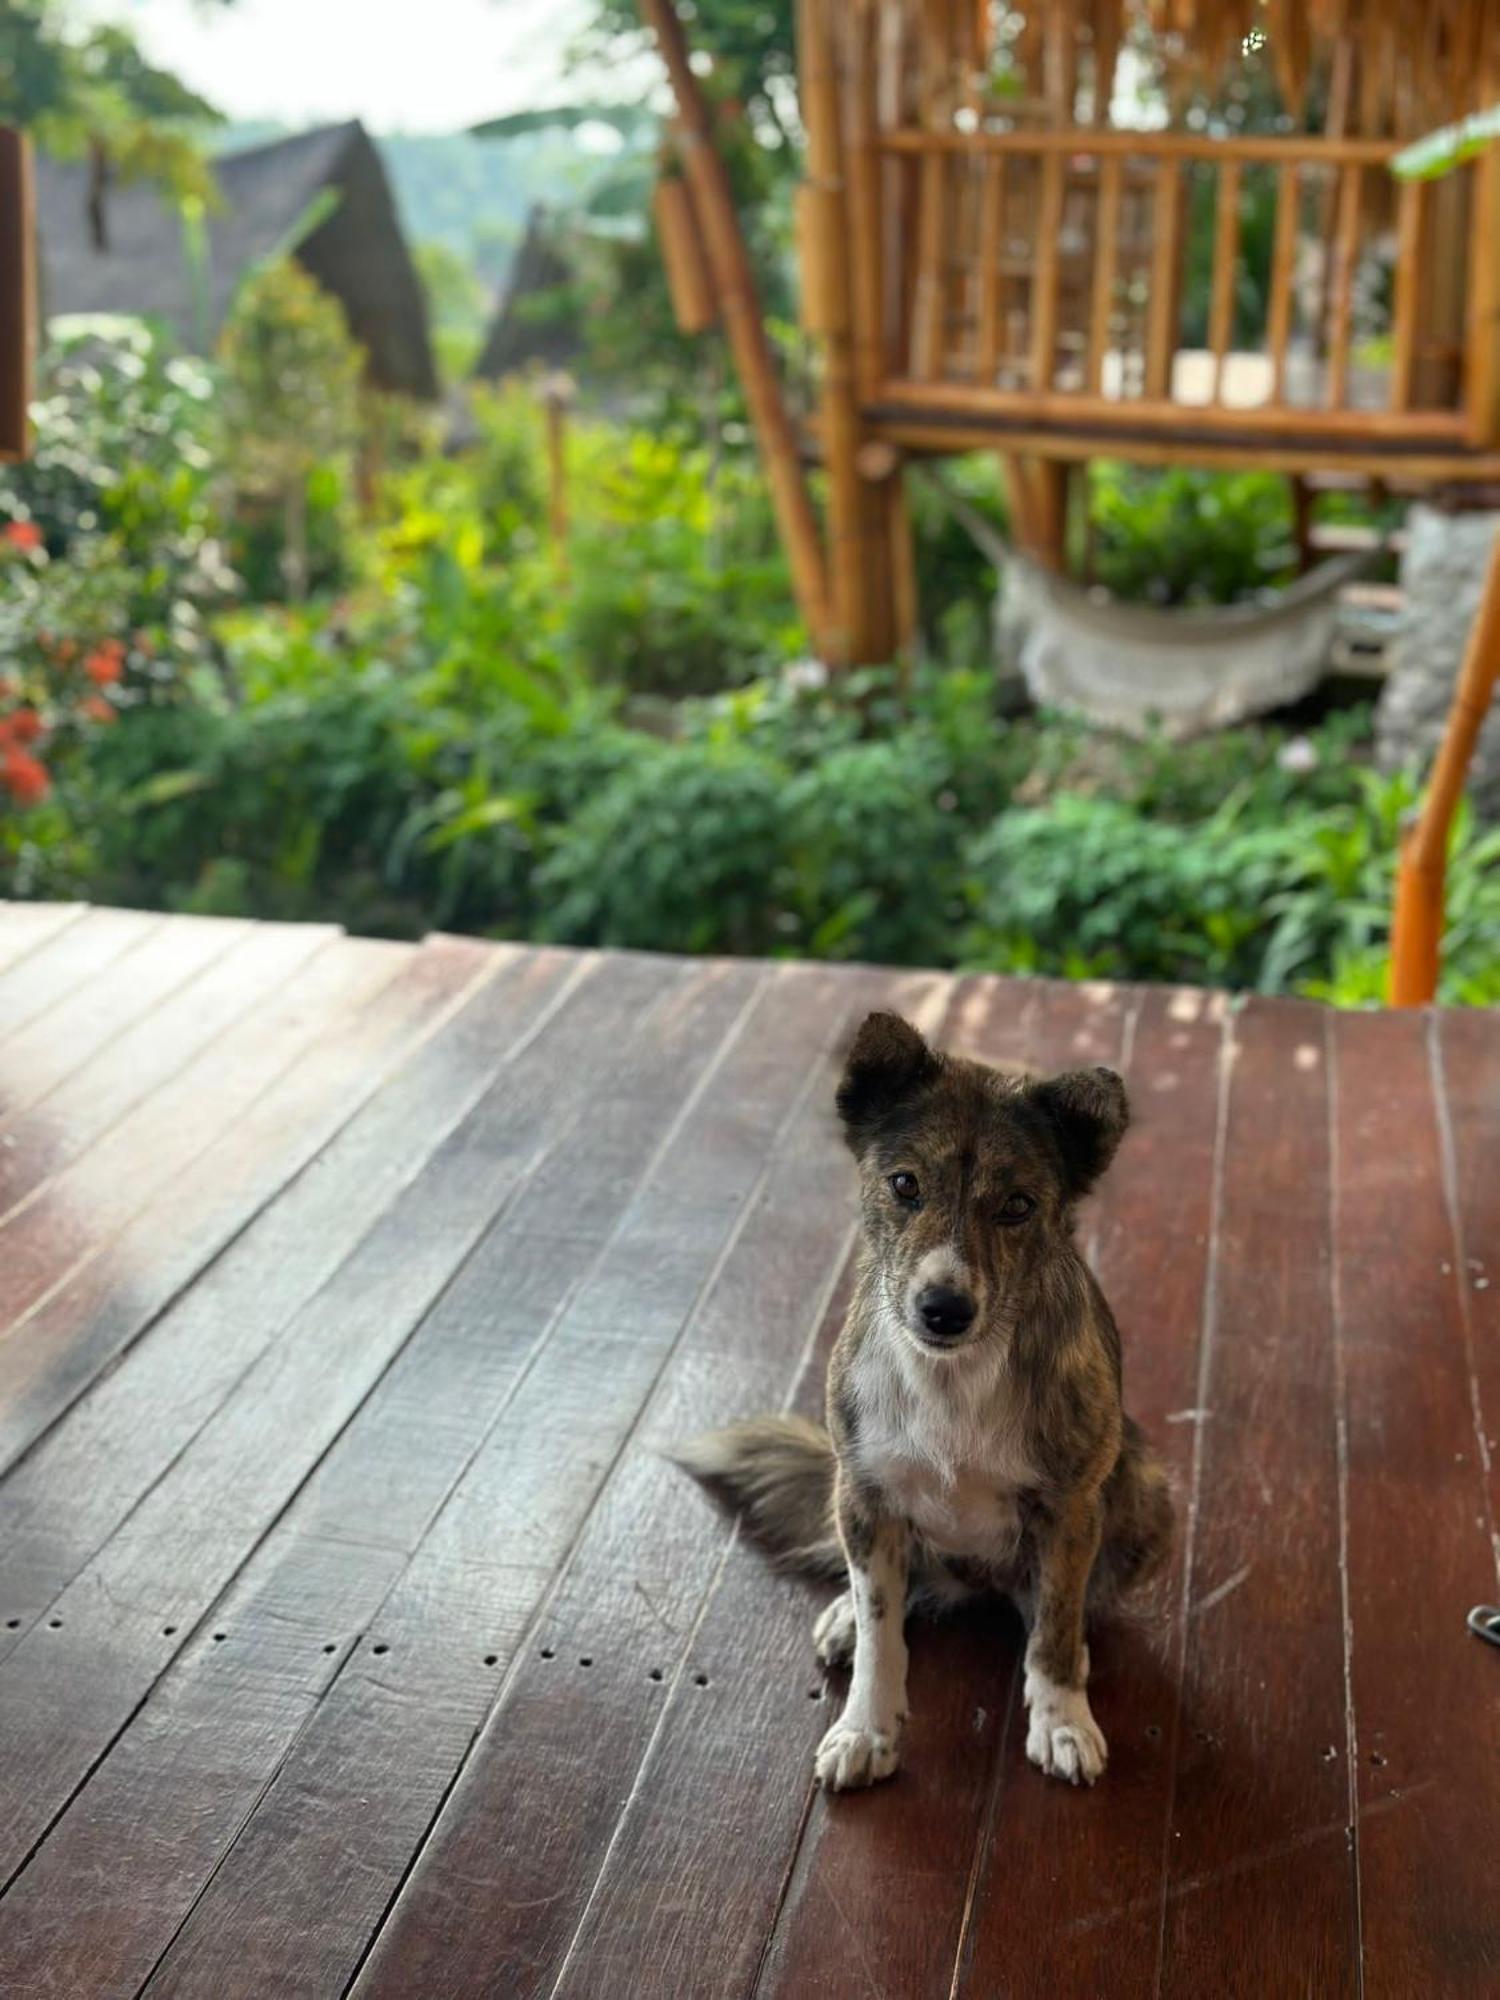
400 65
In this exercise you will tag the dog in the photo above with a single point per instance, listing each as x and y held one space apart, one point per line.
975 1433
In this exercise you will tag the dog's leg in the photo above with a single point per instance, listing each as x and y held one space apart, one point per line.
864 1745
1062 1735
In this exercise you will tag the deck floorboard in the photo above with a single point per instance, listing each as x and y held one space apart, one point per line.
356 1637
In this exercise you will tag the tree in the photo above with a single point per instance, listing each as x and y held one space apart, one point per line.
95 97
291 394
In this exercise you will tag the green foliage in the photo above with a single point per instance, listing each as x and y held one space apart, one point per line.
457 306
1183 536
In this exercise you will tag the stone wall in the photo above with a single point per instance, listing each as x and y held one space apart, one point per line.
1441 574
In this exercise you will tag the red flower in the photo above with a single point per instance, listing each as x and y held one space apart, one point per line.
25 726
105 664
97 709
27 778
23 535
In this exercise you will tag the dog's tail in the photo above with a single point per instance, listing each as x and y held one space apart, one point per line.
777 1475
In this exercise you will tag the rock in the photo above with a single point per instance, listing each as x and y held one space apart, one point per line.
1441 575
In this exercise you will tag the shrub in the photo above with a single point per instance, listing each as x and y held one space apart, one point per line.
683 850
1188 537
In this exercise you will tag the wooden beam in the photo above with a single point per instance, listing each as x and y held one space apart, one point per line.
1044 300
1106 267
1406 283
1164 306
1087 140
1226 260
18 304
1283 260
713 201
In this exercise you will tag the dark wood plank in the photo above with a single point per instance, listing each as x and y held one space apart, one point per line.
94 1315
117 1442
887 1874
24 926
45 1141
36 1059
510 1863
78 1675
1466 1058
75 954
1419 1549
510 1521
389 1478
1260 1890
1059 1851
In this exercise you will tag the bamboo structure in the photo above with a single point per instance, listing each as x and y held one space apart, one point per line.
690 283
991 262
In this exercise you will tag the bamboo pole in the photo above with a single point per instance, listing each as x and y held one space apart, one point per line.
866 219
991 278
1226 257
1405 283
18 310
556 395
1044 274
1417 922
1283 256
689 280
850 564
1162 320
1482 334
1341 300
1106 266
713 202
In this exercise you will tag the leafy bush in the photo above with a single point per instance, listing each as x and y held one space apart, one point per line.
1183 536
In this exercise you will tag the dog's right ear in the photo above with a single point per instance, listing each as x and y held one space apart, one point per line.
888 1065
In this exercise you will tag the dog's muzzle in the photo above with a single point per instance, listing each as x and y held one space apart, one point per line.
944 1313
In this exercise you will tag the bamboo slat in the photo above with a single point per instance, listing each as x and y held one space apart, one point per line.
863 174
991 254
1283 259
1406 281
927 306
17 291
1341 301
1226 258
1044 301
1482 343
1262 149
1106 266
1164 305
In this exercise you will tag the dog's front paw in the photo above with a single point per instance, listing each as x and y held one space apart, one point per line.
850 1756
1062 1736
833 1634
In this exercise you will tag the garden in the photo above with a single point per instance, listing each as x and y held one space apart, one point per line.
274 645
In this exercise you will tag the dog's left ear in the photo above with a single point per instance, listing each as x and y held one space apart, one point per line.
1089 1112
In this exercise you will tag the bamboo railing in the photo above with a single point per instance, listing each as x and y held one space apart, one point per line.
1046 280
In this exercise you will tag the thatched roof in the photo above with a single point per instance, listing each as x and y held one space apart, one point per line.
1406 65
356 250
536 320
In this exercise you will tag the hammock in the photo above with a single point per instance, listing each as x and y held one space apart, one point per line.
1149 672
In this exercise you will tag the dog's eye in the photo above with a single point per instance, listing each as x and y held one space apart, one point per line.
904 1187
1016 1207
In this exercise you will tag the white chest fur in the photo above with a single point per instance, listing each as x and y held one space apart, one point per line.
940 1437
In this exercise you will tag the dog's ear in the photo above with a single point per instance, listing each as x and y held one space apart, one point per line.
1088 1111
887 1066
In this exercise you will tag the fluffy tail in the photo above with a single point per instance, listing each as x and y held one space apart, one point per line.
777 1475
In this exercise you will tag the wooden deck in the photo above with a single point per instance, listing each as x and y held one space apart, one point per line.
353 1638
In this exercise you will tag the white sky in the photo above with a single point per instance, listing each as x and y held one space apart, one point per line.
400 65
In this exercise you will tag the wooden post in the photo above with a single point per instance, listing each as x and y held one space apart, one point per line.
852 511
1283 256
1163 309
1482 334
713 203
17 292
556 395
1417 922
1405 284
1226 259
1106 262
1044 274
1341 299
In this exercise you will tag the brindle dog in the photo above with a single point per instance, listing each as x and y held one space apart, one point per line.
975 1435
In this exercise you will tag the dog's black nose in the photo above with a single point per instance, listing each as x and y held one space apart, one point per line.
945 1311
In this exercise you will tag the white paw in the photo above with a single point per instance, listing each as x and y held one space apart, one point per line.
833 1634
850 1756
1062 1735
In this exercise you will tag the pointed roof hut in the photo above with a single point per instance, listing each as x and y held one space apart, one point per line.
323 196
